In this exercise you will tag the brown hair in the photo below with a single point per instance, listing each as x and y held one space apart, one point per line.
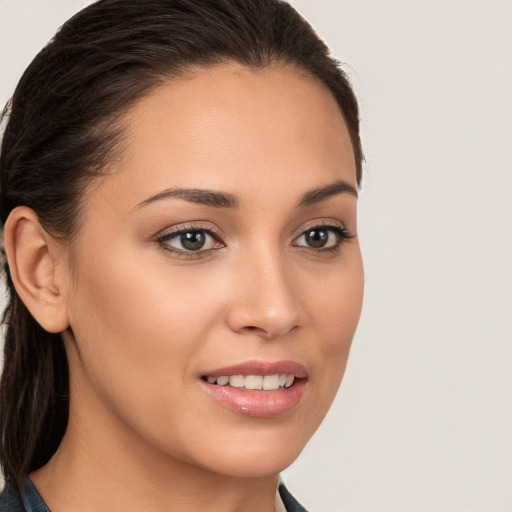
62 126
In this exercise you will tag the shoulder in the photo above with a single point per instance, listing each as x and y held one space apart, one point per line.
291 504
10 502
30 502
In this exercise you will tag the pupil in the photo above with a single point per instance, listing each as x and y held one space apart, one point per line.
193 240
317 237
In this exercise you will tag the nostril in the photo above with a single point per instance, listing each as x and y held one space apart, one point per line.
256 330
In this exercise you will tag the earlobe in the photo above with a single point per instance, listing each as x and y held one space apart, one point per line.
32 258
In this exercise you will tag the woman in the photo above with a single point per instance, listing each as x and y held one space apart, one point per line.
178 194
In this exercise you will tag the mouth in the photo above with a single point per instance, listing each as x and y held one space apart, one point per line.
257 388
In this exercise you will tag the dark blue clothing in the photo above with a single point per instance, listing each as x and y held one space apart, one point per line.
290 503
32 501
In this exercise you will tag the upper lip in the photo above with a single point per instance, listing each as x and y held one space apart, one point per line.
261 368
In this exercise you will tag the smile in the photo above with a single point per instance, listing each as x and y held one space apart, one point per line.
259 382
257 388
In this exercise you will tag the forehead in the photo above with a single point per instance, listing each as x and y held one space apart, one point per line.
230 127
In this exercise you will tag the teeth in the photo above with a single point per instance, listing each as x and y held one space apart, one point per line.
237 381
270 382
254 382
266 383
289 381
222 381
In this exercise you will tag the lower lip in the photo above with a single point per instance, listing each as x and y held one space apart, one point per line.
256 403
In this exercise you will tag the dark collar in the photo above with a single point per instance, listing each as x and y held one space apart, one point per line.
31 500
291 504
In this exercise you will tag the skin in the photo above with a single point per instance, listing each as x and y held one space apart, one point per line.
146 319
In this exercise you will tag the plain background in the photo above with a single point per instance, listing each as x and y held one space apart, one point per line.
423 421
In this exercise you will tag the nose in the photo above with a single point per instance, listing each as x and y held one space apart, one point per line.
266 303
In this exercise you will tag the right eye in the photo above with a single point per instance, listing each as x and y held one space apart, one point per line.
190 241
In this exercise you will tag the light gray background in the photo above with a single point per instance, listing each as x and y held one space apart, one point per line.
423 421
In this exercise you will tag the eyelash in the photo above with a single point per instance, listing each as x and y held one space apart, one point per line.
341 233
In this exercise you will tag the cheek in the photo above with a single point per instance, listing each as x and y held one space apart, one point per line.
134 319
335 306
139 330
335 312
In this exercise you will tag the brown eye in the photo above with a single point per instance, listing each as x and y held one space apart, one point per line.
192 240
189 240
323 237
316 238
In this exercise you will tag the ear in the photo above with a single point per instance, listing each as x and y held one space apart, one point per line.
33 257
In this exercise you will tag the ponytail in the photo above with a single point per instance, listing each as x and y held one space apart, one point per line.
34 399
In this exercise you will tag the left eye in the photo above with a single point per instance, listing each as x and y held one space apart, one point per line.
319 238
190 240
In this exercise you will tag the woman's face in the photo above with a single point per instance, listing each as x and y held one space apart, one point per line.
222 245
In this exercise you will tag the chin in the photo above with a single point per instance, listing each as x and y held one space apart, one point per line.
261 455
256 466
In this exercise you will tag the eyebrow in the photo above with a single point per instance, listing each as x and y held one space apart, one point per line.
321 194
227 200
195 195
